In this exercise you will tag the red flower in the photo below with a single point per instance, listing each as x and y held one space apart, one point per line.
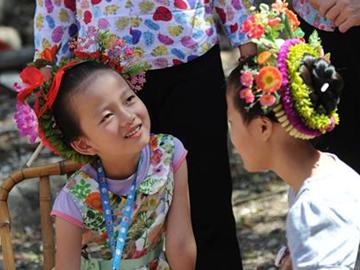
247 25
32 78
274 21
256 31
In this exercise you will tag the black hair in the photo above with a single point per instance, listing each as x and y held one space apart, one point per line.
324 83
315 72
72 82
234 85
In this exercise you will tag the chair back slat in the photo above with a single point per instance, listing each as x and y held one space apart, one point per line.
5 236
45 201
47 229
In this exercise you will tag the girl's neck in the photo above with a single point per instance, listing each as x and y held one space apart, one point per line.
295 162
121 167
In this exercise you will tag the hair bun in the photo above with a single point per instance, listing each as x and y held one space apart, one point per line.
324 82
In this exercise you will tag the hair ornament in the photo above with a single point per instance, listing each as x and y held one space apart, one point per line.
272 79
40 83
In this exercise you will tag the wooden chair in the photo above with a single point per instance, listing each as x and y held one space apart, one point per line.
47 230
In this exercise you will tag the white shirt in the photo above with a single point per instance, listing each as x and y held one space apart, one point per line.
323 223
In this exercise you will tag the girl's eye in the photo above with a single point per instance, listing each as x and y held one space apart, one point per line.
130 99
106 116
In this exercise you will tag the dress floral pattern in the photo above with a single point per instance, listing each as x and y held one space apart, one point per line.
153 199
163 32
311 15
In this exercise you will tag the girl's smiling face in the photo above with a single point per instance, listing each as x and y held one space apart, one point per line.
114 121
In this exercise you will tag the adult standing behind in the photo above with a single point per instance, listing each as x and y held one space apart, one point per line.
337 22
184 92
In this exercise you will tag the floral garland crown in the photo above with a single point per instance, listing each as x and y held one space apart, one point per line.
37 121
274 80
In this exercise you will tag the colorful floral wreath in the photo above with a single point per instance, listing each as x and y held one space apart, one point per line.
275 81
43 87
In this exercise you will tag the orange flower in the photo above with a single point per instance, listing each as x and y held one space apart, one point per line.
263 57
94 201
269 79
49 54
280 6
293 20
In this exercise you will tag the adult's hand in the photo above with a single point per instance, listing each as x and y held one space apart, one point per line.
344 13
286 263
349 16
247 50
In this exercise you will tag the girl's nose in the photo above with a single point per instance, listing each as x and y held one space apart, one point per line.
128 119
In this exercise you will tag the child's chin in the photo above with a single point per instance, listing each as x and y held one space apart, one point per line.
251 169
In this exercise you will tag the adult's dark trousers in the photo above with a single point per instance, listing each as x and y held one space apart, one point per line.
188 101
344 140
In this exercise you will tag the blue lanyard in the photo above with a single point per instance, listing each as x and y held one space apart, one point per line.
117 249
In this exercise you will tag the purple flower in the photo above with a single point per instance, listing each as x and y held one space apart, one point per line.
26 121
286 97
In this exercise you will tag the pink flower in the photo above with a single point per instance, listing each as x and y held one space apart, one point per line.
248 95
267 100
156 157
128 52
120 43
26 121
247 79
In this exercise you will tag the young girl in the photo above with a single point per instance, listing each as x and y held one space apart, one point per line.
130 200
276 102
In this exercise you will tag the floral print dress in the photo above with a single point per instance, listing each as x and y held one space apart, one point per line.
147 228
162 32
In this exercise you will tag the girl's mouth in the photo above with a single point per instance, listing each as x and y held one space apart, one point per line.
134 132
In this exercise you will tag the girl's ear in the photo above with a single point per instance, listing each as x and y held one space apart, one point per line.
265 128
82 146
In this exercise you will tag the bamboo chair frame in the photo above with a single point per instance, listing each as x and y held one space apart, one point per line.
47 229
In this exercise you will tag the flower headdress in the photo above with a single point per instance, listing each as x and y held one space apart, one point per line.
274 78
40 88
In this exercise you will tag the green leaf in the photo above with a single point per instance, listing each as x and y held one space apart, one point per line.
314 40
299 33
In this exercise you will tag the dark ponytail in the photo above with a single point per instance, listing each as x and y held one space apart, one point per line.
324 83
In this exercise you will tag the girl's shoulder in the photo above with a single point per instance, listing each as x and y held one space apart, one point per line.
161 139
82 181
167 142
